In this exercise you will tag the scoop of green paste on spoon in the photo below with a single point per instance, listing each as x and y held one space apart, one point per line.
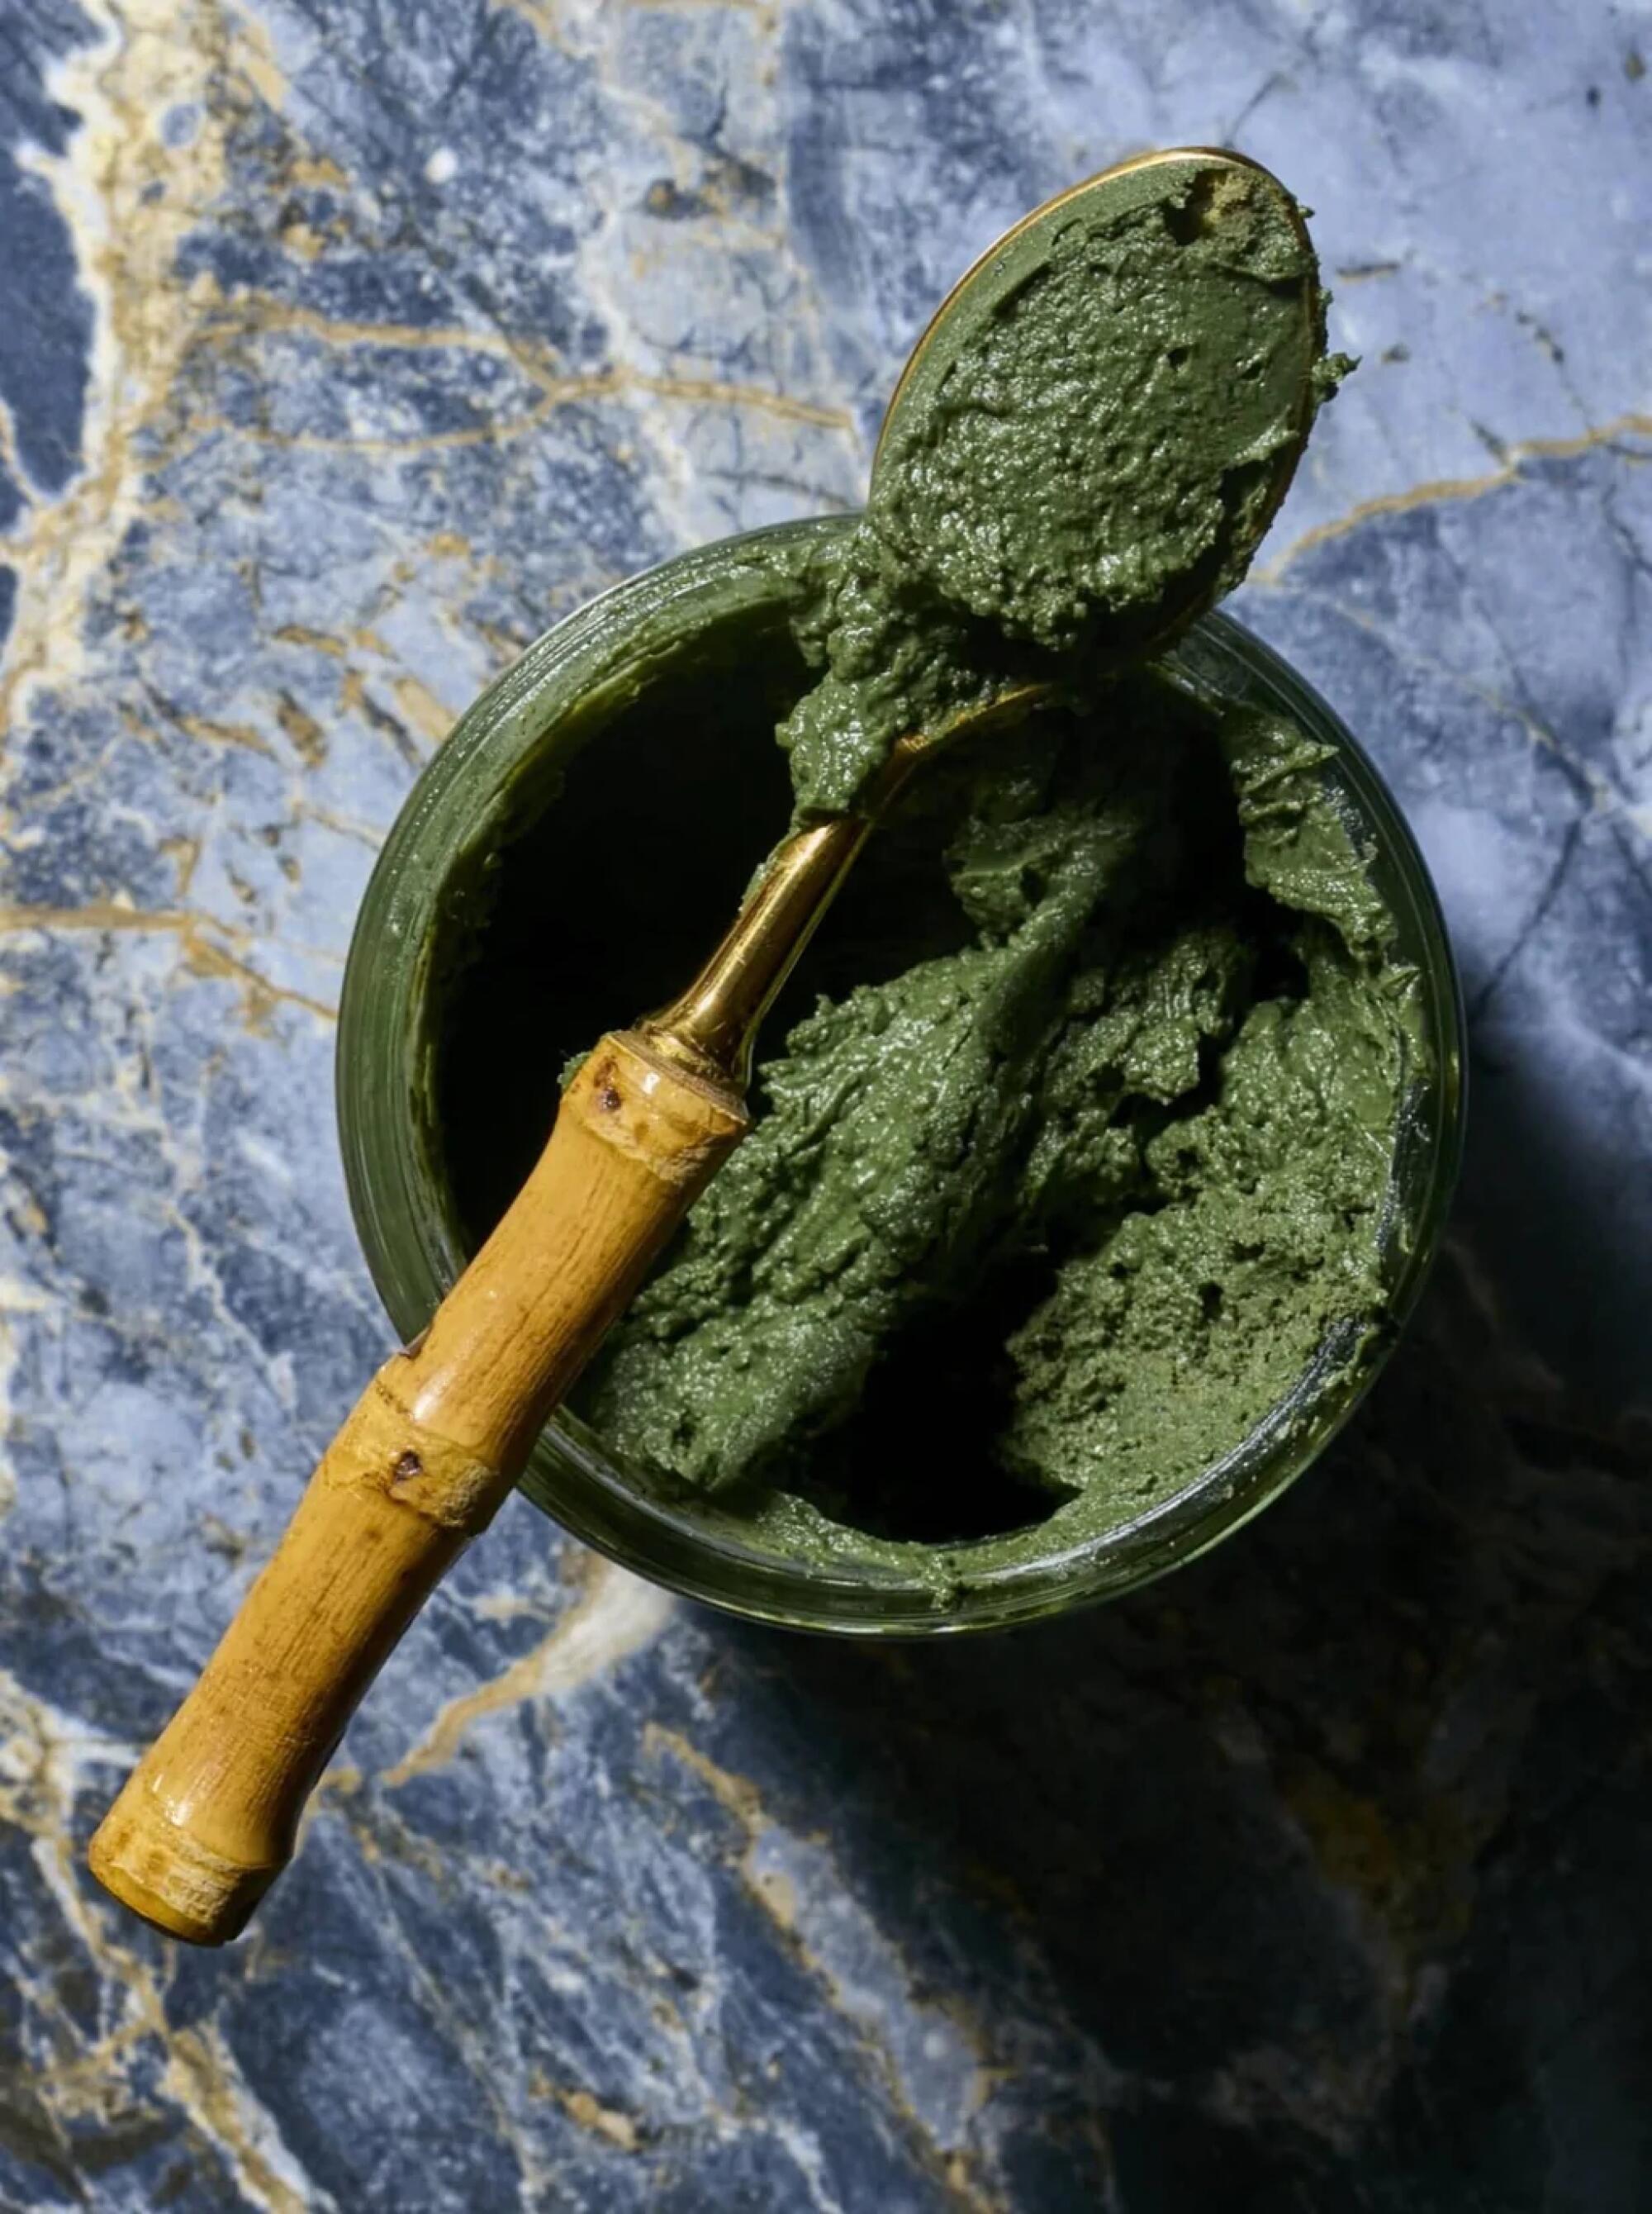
1083 454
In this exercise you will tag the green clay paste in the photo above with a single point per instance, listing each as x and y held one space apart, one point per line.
1139 1121
1083 1161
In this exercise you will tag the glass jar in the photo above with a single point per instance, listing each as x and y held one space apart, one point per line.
559 697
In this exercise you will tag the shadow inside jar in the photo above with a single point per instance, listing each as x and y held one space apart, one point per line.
1334 1843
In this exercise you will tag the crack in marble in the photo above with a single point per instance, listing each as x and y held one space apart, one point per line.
600 272
1600 794
1548 892
208 729
409 1846
666 450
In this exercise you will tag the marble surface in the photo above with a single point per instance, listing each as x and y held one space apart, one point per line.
344 344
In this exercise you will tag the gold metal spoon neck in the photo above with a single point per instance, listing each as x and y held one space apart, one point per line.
710 1030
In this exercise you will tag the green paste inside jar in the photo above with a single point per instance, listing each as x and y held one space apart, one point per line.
1141 1114
1074 1133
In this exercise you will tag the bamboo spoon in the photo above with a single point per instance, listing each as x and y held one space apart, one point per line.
207 1819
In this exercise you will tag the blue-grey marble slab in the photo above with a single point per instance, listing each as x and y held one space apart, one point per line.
344 345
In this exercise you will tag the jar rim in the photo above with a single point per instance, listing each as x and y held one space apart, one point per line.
608 649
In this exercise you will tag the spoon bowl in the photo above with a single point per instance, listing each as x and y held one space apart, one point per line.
1171 312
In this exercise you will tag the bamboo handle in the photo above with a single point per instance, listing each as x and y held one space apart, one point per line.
206 1821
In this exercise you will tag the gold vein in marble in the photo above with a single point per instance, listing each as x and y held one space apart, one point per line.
616 382
152 55
203 955
1441 491
226 320
615 1616
589 2111
775 1891
44 1759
